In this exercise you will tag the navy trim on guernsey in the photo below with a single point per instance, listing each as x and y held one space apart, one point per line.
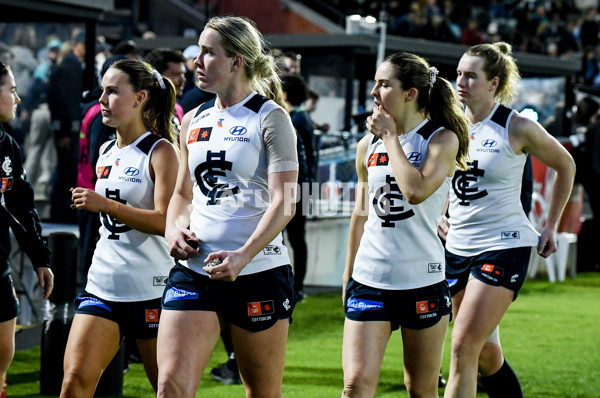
208 104
146 144
255 103
500 117
112 143
429 128
425 131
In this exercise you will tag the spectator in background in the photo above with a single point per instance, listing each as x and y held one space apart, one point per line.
40 150
171 64
471 34
586 152
590 28
128 48
291 62
590 68
193 96
65 87
190 53
295 93
310 106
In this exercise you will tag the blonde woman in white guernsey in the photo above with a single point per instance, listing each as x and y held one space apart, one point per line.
136 177
489 239
232 200
394 276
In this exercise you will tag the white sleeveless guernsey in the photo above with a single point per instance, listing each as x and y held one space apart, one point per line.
399 248
485 206
228 165
128 265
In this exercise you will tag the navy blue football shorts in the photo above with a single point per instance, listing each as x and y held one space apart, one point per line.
506 268
137 319
9 304
419 308
253 302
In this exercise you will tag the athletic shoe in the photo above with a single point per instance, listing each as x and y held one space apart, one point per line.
441 381
226 373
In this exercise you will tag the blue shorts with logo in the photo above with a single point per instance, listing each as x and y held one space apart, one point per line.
9 304
253 302
506 268
419 308
137 319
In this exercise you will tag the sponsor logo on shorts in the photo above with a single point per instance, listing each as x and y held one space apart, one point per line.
514 278
179 294
159 280
427 308
491 272
152 315
5 184
434 267
452 282
510 235
355 304
261 308
270 250
92 302
287 305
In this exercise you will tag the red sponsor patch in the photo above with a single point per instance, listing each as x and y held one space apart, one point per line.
378 159
200 134
103 171
488 268
5 183
260 308
423 307
152 315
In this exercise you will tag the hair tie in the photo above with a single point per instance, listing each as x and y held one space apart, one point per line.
433 71
159 79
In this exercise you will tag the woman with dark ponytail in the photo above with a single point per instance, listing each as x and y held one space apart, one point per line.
394 276
136 177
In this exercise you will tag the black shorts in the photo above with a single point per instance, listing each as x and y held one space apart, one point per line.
506 268
253 302
414 308
137 319
9 304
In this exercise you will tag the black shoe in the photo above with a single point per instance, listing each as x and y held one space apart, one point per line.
441 381
224 374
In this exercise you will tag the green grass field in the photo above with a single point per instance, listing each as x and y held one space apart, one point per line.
550 336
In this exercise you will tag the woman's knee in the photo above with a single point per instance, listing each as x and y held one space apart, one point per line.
490 359
358 383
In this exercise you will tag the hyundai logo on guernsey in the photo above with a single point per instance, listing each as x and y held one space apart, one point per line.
237 132
489 146
415 158
179 294
355 304
130 173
